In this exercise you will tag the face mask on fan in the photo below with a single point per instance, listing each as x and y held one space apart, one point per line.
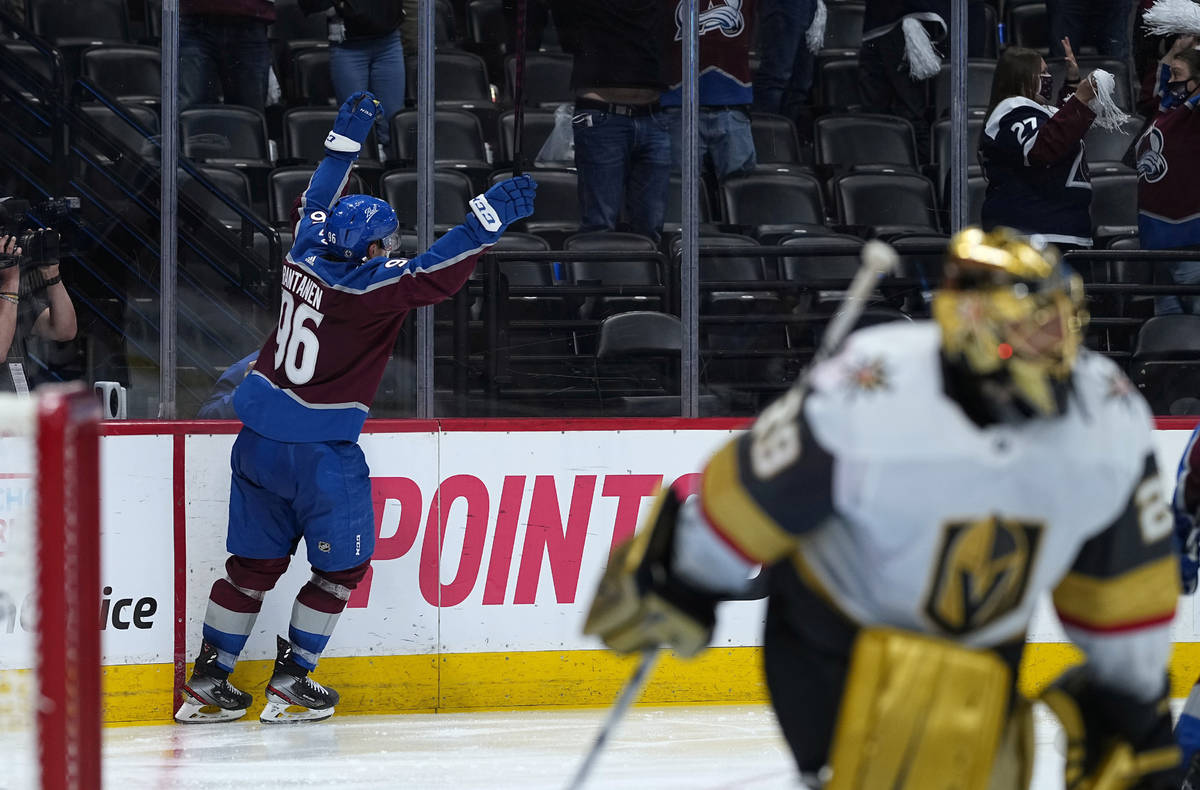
1045 86
1176 93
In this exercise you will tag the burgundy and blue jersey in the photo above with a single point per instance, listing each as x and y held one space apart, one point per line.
726 38
1169 174
318 372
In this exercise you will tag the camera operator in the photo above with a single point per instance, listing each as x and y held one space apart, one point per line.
33 300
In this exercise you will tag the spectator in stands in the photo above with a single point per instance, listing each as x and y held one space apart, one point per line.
897 57
43 308
1169 170
723 123
1032 153
783 81
1104 24
622 142
223 52
366 52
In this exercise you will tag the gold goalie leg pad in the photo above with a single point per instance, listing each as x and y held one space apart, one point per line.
918 713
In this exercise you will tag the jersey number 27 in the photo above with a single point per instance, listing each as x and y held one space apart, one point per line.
296 345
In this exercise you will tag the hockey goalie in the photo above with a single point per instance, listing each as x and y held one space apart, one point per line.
909 503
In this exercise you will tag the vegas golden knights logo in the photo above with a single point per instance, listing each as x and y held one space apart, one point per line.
982 571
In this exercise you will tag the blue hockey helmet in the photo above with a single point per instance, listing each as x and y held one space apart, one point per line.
357 220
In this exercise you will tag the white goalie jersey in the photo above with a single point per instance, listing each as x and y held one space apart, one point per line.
896 509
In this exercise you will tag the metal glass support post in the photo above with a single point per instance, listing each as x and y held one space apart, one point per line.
689 292
167 246
425 197
959 137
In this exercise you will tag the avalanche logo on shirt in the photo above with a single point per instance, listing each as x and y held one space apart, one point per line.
1151 164
723 15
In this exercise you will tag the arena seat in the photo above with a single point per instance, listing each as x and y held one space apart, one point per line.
538 126
848 142
775 139
547 79
126 72
979 88
451 191
458 137
285 184
887 202
225 133
772 203
1166 360
634 271
304 131
310 74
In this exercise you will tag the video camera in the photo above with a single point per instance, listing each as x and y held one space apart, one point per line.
27 222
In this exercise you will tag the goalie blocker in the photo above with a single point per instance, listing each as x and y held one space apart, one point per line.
908 511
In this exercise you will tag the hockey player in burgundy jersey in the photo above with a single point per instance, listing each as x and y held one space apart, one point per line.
297 468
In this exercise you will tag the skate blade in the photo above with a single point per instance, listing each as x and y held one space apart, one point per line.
286 713
194 712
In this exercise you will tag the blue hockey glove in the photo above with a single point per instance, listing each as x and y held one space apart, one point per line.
503 204
353 123
1187 543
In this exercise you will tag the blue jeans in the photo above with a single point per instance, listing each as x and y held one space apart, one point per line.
375 65
1182 273
223 57
723 134
784 78
624 167
1103 23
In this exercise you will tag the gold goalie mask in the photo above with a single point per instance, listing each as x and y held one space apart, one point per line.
1012 318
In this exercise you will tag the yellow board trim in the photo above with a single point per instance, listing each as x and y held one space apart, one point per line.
141 694
736 514
1140 595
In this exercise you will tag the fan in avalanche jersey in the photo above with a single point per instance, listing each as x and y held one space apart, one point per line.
1033 155
909 511
297 468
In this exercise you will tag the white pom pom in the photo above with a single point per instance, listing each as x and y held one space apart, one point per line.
1172 17
923 59
1108 114
815 37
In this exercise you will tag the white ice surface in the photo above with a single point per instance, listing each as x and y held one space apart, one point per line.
689 748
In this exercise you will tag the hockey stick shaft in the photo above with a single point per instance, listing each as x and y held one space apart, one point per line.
624 702
878 259
519 87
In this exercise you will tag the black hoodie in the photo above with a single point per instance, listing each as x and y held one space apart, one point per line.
363 18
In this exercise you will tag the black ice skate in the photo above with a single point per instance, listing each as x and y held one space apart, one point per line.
291 687
209 697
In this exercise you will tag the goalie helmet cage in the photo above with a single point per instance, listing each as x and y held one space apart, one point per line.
54 455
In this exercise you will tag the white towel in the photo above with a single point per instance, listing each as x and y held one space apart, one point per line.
815 37
1108 114
1172 17
923 59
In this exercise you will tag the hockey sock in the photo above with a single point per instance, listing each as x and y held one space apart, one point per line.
316 611
1187 729
234 603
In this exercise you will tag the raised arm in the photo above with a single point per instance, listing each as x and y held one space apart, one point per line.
439 272
342 146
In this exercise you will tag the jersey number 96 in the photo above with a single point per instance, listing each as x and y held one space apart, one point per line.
296 345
